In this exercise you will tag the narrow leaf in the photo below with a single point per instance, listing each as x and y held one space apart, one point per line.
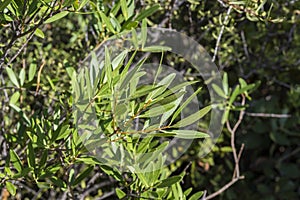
192 118
219 91
120 193
169 181
11 188
32 71
12 76
56 17
187 134
148 12
14 158
124 9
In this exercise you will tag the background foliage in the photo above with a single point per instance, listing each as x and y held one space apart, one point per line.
42 42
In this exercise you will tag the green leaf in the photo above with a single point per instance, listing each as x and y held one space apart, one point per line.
14 98
107 22
82 4
234 94
193 117
196 196
83 175
219 91
158 110
135 39
179 110
120 193
11 188
156 48
38 32
30 156
124 9
32 71
187 134
169 181
12 76
144 32
108 68
22 76
14 158
148 12
4 4
56 17
225 83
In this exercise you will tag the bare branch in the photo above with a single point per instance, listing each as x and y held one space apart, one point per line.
221 33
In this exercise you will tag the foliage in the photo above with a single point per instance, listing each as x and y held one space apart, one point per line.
44 42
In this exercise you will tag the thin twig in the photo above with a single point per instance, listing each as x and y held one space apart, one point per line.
236 173
221 33
271 115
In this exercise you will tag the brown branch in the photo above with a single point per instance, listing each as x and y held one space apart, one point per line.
271 115
236 173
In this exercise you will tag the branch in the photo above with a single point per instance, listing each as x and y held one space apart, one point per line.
236 173
221 33
271 115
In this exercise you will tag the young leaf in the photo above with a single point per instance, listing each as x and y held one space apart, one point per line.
219 91
120 193
11 188
187 134
30 156
22 76
192 118
124 9
169 181
185 104
83 175
156 48
148 12
14 158
158 110
12 76
32 71
234 94
107 22
38 32
196 196
144 32
225 83
56 17
4 4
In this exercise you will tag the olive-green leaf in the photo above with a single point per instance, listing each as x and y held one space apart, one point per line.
38 32
219 91
14 158
83 175
169 181
179 110
156 48
4 4
148 12
11 188
32 71
22 76
124 9
12 76
192 118
196 196
120 193
188 134
56 17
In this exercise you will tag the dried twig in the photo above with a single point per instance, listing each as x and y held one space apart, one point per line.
220 34
236 173
271 115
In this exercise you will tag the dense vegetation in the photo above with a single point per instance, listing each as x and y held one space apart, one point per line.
46 47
